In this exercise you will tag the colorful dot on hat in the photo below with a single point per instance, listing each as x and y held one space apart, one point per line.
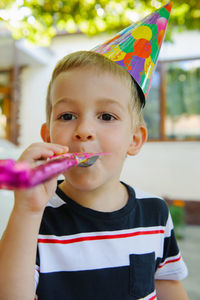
142 48
148 67
142 32
116 53
161 24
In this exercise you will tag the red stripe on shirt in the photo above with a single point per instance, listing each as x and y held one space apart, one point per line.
96 238
170 261
153 297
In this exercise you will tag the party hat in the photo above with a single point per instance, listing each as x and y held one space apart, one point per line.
136 48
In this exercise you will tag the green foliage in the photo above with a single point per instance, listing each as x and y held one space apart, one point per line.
178 217
44 18
1 102
183 89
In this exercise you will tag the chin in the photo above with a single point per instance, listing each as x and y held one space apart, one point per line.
85 186
85 182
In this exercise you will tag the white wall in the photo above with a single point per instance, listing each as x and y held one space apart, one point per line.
184 45
167 169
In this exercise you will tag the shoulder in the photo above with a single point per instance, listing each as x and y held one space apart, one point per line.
150 200
150 208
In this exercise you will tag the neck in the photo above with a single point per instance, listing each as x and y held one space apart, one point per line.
110 197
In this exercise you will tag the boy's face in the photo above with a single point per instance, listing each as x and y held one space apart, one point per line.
90 113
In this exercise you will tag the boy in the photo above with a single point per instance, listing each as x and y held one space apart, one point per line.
90 247
98 237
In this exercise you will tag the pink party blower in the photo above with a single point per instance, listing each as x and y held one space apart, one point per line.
20 175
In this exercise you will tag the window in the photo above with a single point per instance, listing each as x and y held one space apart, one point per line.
173 105
4 103
9 107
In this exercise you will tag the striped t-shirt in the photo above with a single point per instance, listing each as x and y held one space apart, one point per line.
85 254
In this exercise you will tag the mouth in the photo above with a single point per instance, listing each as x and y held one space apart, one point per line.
89 162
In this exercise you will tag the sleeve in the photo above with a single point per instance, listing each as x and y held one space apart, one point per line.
171 266
37 272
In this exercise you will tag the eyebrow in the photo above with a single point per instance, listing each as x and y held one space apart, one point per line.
100 101
63 100
110 101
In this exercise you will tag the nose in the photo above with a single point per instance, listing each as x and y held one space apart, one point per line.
84 132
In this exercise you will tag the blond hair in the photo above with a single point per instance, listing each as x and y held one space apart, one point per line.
81 59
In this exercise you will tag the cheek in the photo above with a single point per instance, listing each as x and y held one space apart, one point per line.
53 134
116 140
58 134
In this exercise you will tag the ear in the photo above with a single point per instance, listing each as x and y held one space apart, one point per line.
45 134
138 139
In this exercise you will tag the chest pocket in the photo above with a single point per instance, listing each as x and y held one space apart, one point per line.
142 269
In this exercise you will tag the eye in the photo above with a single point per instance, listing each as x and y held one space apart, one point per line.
67 117
107 117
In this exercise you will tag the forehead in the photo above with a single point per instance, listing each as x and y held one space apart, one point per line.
90 83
